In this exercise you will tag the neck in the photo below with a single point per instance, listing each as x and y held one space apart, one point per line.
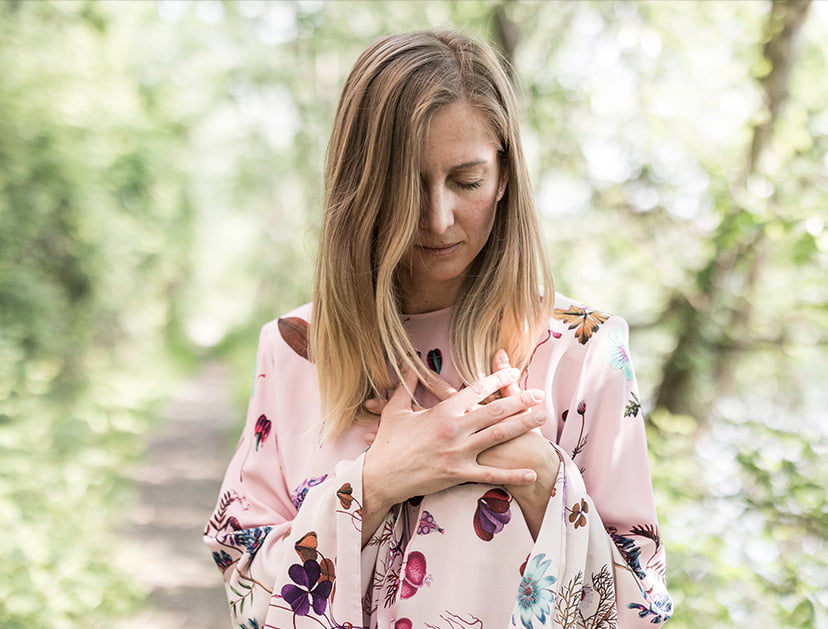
421 299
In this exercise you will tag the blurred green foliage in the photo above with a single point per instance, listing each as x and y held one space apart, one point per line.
160 181
94 230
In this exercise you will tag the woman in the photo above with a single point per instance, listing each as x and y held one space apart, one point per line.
490 495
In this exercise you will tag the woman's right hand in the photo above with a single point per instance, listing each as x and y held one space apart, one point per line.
419 452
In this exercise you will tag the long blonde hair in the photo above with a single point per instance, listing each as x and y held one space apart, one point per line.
372 209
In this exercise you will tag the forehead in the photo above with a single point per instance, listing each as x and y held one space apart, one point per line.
458 133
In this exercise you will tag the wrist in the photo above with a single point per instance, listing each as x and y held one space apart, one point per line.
375 498
373 511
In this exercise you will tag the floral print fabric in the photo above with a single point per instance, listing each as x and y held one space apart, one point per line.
286 531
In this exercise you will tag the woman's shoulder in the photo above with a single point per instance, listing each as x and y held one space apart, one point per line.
580 324
580 339
288 333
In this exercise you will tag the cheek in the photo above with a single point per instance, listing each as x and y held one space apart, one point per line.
481 214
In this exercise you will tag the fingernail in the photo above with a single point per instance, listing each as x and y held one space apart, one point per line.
530 477
538 395
540 418
501 356
514 373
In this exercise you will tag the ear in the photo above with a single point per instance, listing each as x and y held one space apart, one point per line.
504 180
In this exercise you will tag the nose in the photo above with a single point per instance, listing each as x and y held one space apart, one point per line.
437 213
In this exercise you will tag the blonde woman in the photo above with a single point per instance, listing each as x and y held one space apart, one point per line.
432 442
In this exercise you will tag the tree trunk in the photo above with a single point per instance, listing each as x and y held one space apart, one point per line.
704 340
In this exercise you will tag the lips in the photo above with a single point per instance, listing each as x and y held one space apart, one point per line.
440 250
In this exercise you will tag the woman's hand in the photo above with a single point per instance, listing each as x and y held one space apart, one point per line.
419 452
532 450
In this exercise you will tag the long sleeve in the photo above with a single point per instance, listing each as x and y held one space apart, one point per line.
601 428
286 529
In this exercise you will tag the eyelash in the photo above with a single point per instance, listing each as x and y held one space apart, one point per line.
470 186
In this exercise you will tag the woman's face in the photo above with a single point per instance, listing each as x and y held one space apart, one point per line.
462 183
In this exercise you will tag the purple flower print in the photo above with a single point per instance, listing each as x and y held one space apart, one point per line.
492 513
309 590
427 524
262 430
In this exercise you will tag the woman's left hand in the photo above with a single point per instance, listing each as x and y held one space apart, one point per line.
531 450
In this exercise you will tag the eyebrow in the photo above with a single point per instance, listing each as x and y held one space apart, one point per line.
471 164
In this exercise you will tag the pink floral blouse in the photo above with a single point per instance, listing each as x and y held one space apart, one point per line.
286 532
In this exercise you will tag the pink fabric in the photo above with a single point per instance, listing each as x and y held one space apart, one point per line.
286 531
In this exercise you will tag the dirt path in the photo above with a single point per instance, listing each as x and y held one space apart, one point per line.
177 484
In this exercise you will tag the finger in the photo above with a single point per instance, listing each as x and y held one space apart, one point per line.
375 405
501 361
499 476
484 416
462 401
438 385
403 395
507 429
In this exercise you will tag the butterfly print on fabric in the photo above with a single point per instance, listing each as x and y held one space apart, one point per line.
585 321
294 331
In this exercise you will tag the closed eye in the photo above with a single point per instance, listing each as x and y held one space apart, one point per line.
470 186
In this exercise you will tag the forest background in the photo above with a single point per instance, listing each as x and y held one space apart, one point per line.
160 187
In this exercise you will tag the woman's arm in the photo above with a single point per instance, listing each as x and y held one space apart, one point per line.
274 544
254 510
604 433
